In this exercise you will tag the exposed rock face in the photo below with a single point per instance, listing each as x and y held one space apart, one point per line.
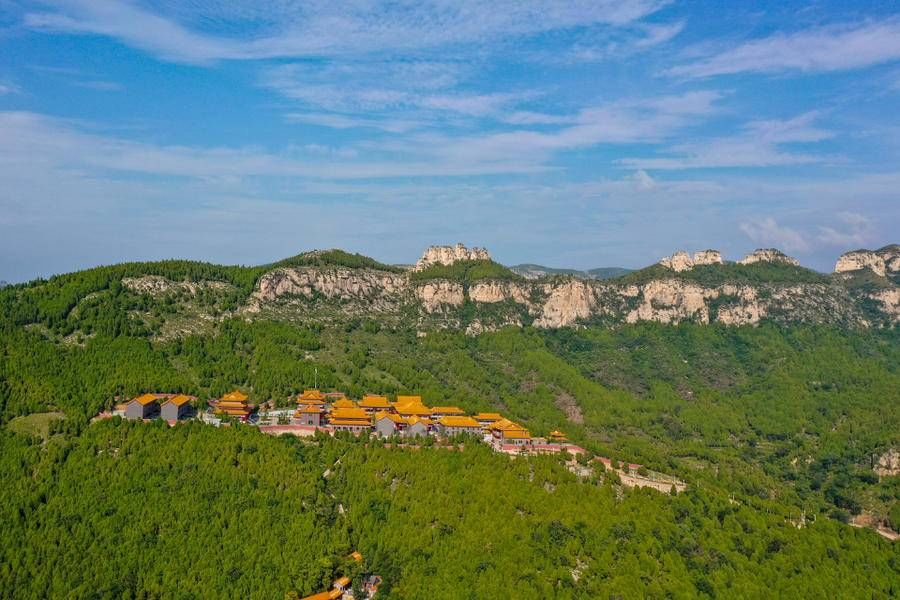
367 289
154 285
499 291
566 304
860 259
708 257
888 464
771 255
447 255
682 261
324 292
436 295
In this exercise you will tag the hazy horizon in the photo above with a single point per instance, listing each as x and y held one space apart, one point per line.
570 134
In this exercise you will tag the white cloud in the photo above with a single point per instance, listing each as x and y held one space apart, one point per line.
621 122
758 145
383 87
8 88
340 121
832 48
324 28
856 230
767 232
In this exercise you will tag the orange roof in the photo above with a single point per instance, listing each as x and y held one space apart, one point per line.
344 403
506 425
179 400
459 422
233 411
312 395
342 581
145 399
413 420
488 417
447 410
355 555
349 413
373 401
516 434
311 410
236 395
557 434
319 596
409 400
413 409
393 417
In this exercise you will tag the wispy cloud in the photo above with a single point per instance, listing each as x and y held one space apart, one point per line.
855 230
321 28
767 232
622 122
760 144
383 87
831 48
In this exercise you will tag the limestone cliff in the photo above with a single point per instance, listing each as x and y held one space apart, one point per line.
486 304
884 261
447 255
682 261
770 255
860 259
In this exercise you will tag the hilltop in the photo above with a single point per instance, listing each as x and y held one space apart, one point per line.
456 288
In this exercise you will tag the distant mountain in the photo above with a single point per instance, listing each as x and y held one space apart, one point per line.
532 271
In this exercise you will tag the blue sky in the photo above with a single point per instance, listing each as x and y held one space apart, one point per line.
569 133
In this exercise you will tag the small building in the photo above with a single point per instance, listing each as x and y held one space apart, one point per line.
557 437
516 437
372 403
176 407
309 415
311 397
342 584
446 411
142 407
508 432
455 425
234 404
412 408
343 403
417 427
485 419
354 420
388 424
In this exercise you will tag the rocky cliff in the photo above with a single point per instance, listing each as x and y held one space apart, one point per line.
682 261
668 296
447 255
769 255
487 298
884 261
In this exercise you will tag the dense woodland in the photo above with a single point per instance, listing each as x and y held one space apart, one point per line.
766 424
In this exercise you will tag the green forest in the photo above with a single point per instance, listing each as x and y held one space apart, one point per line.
771 427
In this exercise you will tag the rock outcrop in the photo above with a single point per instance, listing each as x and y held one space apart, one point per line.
566 304
438 294
860 259
708 257
682 261
447 255
888 464
770 255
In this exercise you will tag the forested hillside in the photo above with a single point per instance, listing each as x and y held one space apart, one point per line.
774 428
